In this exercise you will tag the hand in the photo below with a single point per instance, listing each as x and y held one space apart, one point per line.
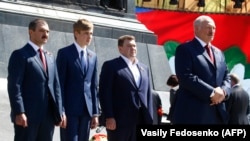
21 120
63 123
218 96
94 122
111 123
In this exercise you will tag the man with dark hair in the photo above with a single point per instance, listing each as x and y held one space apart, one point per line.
125 92
157 108
173 83
34 89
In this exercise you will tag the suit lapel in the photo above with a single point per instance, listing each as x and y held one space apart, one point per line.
75 54
216 57
128 72
142 73
90 61
202 50
37 59
131 76
49 61
207 56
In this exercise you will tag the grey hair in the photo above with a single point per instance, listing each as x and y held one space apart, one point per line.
201 19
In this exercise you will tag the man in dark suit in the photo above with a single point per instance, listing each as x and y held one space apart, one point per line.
157 108
34 89
204 82
125 92
77 68
173 83
238 103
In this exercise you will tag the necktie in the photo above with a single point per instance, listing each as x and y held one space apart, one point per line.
42 57
209 52
83 61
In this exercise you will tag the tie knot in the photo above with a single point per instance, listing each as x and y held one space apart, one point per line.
209 52
40 50
206 46
82 53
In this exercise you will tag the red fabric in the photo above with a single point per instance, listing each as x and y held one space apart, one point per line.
42 57
231 30
208 49
160 111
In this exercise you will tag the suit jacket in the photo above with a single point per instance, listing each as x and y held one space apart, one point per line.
119 93
238 106
30 88
79 88
157 105
172 98
197 78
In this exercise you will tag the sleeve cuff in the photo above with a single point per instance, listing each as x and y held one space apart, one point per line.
212 94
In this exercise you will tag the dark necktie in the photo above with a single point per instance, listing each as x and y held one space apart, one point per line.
83 61
209 52
42 57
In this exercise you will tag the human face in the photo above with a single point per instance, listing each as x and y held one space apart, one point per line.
40 35
129 49
84 37
206 31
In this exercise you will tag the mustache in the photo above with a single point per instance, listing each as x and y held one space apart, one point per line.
210 34
44 37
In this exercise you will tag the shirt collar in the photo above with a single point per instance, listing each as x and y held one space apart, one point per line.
34 46
202 42
79 49
128 62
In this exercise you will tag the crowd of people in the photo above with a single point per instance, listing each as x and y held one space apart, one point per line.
47 91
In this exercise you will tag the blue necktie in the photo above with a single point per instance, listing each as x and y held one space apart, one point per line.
83 61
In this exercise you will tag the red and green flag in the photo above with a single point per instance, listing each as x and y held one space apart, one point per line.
232 35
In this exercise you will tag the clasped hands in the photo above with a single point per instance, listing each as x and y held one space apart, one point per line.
218 96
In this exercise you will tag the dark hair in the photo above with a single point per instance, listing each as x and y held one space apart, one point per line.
121 39
172 81
33 24
234 78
